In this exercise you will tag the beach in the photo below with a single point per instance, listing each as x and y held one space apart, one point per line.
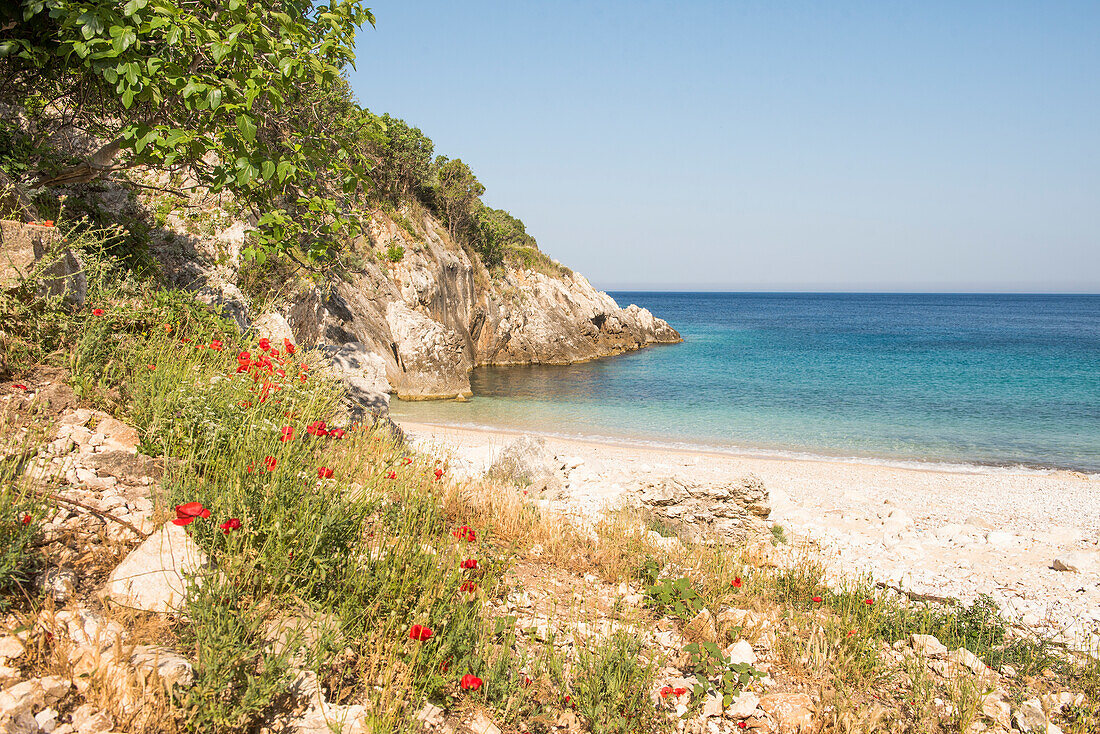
945 531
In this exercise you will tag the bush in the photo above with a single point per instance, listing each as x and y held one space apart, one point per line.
611 687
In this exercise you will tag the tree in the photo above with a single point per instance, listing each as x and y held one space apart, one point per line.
246 95
457 192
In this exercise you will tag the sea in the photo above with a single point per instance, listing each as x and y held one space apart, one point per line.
968 381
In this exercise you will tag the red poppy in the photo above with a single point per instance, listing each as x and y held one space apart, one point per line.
265 344
336 433
816 600
420 633
465 533
26 519
392 475
190 511
275 354
250 468
290 348
851 633
526 680
470 682
666 691
287 434
445 666
97 312
868 602
280 373
151 366
230 524
245 403
469 563
216 345
324 472
736 583
270 462
438 474
317 428
468 587
742 725
184 340
19 386
47 223
680 691
244 357
406 461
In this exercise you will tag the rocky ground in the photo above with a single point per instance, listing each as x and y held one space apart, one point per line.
1029 540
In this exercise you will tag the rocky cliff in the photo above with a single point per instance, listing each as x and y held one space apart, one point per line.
417 311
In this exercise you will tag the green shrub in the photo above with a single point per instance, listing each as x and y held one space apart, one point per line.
610 687
395 252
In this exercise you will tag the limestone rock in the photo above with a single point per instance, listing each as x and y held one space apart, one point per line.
1030 717
1078 561
997 709
89 720
273 326
969 660
431 356
527 462
741 652
731 512
793 712
31 250
153 577
701 628
743 706
928 646
482 724
712 705
363 373
58 583
171 667
10 648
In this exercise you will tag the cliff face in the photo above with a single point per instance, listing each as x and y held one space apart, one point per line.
417 326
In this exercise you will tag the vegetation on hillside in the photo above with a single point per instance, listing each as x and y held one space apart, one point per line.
242 97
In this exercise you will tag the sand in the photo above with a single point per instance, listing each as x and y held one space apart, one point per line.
949 531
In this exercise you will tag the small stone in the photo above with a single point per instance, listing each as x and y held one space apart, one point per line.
86 719
712 706
46 720
701 628
1078 561
153 577
430 715
969 660
928 646
11 648
792 711
743 706
740 652
58 583
482 724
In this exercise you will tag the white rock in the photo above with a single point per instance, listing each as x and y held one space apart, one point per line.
740 652
1079 561
46 720
712 706
153 577
928 646
743 706
10 648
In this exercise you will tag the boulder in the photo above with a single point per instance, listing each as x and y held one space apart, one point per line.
273 326
363 374
1078 561
741 652
730 512
928 646
528 463
36 251
432 357
154 577
743 706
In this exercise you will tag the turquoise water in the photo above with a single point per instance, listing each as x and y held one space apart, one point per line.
977 379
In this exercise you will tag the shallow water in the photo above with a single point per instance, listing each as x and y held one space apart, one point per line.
980 379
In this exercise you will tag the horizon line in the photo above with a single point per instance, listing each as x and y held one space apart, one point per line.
819 291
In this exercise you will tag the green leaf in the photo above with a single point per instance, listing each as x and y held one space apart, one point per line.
267 169
247 128
133 6
214 98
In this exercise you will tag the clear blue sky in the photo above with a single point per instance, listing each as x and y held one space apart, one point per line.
768 145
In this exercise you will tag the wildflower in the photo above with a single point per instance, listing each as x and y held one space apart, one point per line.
851 633
151 366
666 691
244 357
392 475
26 519
438 474
816 600
167 328
265 344
97 312
185 340
736 583
869 602
742 725
288 347
468 587
287 434
526 680
250 468
465 533
20 386
406 461
275 355
216 345
230 524
336 433
420 633
47 223
270 462
280 373
324 472
470 682
316 428
679 691
245 403
190 511
469 563
445 666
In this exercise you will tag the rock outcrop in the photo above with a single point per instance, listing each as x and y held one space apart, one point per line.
730 512
416 327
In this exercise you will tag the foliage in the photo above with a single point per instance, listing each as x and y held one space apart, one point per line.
395 252
712 666
611 687
247 95
676 597
21 517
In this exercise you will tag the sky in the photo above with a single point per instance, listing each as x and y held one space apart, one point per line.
767 145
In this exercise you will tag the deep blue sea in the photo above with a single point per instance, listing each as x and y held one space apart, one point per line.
1005 380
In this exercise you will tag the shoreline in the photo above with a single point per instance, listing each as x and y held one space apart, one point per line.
767 454
930 530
